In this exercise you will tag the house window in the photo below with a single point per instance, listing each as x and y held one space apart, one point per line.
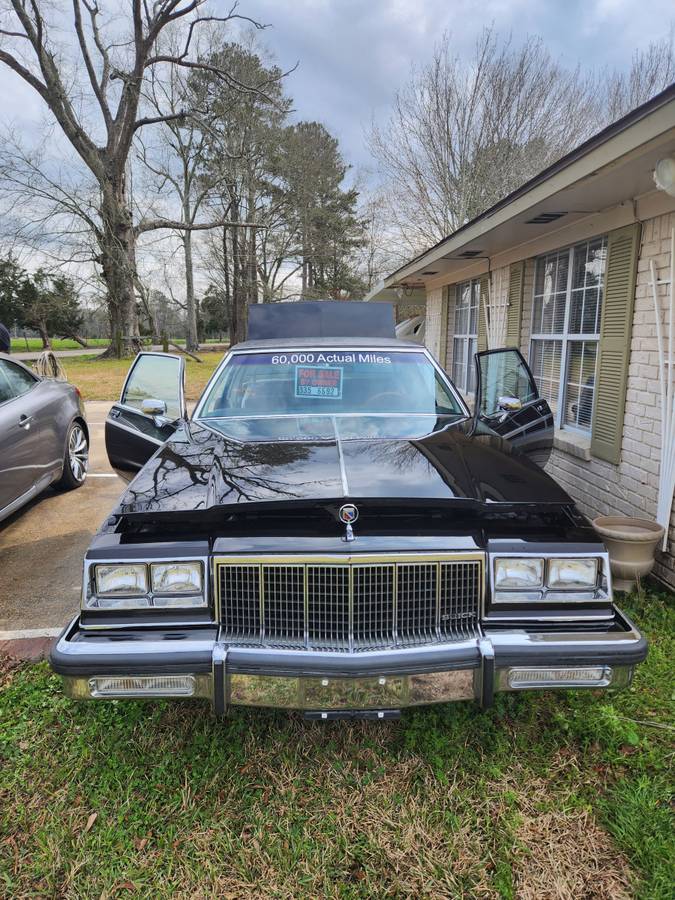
566 329
465 338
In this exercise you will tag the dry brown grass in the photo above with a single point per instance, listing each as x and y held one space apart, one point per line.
102 379
566 856
304 812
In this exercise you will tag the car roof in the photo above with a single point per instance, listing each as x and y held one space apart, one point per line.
18 362
374 343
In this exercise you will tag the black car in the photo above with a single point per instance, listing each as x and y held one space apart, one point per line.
333 530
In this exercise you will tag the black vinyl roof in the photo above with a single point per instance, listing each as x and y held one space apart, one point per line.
321 318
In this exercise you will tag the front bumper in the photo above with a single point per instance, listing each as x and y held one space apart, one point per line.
194 662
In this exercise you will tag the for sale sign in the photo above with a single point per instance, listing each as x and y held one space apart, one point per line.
318 381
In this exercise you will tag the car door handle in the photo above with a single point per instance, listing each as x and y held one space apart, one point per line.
24 422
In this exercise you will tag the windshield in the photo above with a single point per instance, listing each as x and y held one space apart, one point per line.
331 383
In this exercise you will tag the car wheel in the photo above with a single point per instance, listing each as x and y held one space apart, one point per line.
76 459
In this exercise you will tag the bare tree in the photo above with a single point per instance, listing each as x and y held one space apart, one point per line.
92 84
176 159
651 70
462 135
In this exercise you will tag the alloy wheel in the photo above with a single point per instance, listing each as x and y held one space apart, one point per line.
78 453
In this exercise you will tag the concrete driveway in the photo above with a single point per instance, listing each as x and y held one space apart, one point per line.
42 545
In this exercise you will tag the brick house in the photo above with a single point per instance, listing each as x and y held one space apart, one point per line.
561 269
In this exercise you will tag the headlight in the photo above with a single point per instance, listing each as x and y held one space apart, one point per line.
122 586
177 578
572 573
122 580
526 573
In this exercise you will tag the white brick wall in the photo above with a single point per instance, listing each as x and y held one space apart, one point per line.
629 488
434 327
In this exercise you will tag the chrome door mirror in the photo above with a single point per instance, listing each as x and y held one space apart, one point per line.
153 407
156 409
509 404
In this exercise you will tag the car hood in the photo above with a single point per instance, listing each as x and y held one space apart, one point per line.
200 470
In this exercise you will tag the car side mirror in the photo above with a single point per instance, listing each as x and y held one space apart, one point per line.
509 404
152 407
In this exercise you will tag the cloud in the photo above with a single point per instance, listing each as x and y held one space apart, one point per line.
354 54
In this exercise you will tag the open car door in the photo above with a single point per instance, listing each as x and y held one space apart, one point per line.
150 408
508 402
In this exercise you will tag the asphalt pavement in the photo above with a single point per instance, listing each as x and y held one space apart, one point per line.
42 545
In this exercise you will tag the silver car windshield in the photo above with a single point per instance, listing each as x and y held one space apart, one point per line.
368 383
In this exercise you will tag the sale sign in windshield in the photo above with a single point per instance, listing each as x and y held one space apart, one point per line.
318 382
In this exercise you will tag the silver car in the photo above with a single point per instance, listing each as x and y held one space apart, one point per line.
44 437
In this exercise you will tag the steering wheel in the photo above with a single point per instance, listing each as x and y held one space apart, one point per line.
385 395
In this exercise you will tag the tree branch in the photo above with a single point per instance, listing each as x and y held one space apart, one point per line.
27 76
175 225
153 120
96 87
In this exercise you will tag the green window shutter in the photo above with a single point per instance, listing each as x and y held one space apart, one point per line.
623 247
515 309
482 330
445 306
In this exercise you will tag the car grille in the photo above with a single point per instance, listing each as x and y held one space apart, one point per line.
359 604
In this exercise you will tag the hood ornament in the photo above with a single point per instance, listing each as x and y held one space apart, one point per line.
348 514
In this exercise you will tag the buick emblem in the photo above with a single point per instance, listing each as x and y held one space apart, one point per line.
348 514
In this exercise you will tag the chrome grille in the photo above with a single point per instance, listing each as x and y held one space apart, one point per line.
357 604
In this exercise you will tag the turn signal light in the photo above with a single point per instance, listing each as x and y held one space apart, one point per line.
585 676
142 686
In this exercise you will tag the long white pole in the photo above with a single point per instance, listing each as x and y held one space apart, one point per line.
667 388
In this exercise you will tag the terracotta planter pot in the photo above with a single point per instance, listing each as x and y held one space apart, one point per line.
631 544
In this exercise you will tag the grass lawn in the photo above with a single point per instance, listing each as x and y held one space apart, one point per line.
102 379
35 344
544 796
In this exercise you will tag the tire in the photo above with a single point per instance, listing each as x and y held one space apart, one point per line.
75 459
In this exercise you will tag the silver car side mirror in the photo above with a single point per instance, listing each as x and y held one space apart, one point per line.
152 407
509 404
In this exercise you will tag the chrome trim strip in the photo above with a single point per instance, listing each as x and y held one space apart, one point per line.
135 431
343 468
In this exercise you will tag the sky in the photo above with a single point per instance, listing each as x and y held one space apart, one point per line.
354 54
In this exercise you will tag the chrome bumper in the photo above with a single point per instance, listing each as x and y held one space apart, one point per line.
195 663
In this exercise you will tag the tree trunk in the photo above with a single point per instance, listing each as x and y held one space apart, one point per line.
117 242
44 336
238 323
252 257
226 281
191 336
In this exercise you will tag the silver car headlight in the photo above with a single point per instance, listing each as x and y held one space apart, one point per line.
122 586
177 584
121 580
524 573
564 574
